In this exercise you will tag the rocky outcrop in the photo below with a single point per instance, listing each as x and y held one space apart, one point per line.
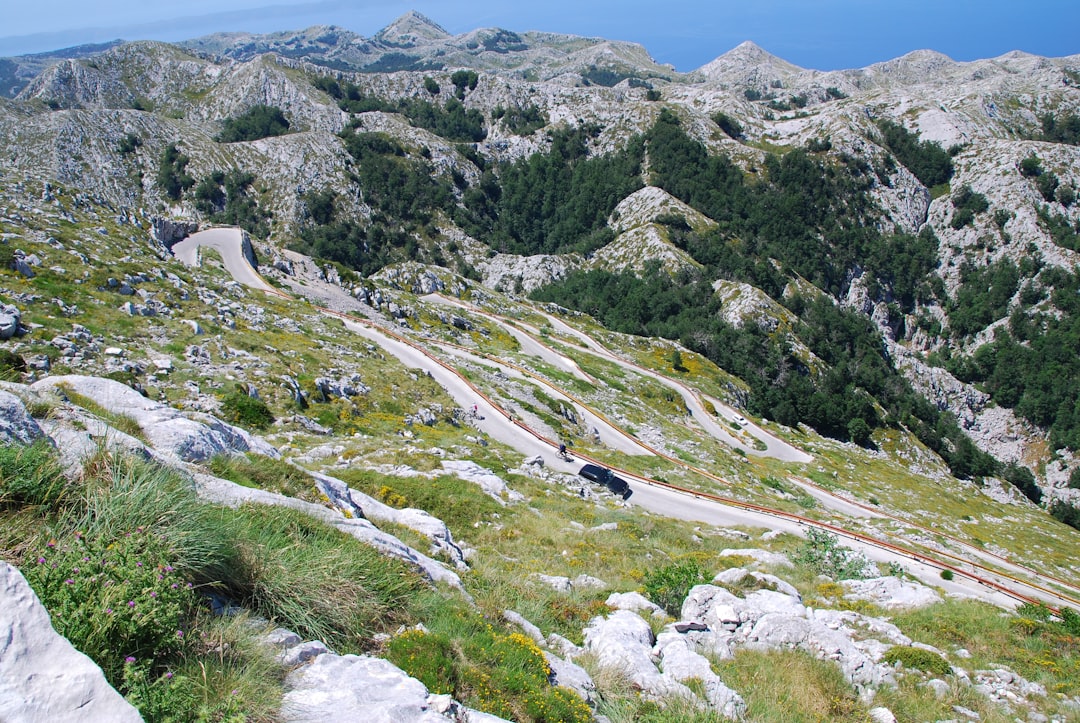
168 232
42 676
768 620
224 492
649 204
193 437
891 592
16 424
363 689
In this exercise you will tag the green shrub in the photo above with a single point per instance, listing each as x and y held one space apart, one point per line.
502 674
1031 167
823 553
30 475
668 586
728 125
928 161
918 659
238 407
947 575
259 121
12 366
117 596
172 176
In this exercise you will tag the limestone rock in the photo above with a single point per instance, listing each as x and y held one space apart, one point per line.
634 601
681 663
891 593
16 424
762 557
489 482
42 676
186 437
573 676
623 642
528 628
356 689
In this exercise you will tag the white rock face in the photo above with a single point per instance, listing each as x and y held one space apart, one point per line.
188 438
743 303
42 676
505 272
623 642
492 485
573 676
634 249
644 206
16 424
680 662
770 620
357 689
891 592
633 601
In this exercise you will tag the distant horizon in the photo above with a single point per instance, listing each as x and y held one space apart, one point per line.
830 35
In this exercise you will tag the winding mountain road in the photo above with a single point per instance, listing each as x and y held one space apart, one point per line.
970 576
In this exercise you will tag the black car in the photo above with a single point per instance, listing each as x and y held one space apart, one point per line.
606 477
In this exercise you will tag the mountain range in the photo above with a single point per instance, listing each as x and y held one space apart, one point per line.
877 266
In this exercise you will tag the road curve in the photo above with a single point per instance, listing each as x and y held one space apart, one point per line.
970 578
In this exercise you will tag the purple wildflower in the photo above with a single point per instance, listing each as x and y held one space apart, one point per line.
69 581
108 611
168 676
41 560
129 659
131 603
179 633
153 594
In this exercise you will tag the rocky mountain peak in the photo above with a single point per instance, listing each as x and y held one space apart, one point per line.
410 29
748 63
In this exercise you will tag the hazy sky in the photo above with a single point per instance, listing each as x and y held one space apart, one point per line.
821 34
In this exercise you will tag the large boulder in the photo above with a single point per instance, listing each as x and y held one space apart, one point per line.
187 437
680 662
16 424
623 642
356 689
42 676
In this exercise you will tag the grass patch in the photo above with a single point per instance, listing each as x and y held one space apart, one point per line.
791 686
1043 651
917 659
265 473
30 475
460 504
498 672
119 422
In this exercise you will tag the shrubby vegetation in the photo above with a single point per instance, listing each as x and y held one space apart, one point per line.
521 121
668 586
927 160
1065 129
228 198
405 192
172 176
451 120
1031 367
259 121
553 202
728 125
983 296
967 204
